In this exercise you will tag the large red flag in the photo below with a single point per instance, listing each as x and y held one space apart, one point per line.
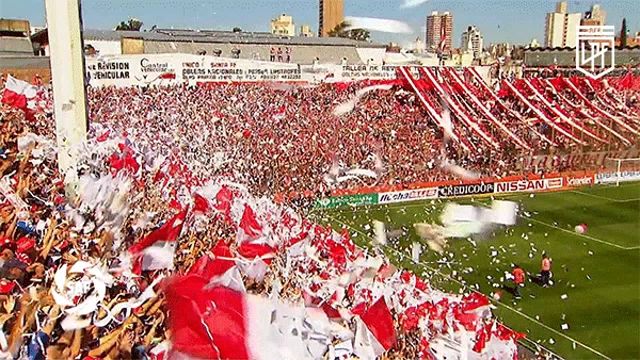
379 321
219 323
207 323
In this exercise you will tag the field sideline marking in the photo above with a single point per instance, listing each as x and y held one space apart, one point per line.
580 235
420 204
498 302
604 197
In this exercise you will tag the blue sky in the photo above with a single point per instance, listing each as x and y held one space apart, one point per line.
514 21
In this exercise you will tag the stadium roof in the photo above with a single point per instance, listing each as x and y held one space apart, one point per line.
566 48
15 46
24 62
214 36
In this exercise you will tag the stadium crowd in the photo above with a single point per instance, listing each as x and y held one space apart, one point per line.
284 139
150 150
71 287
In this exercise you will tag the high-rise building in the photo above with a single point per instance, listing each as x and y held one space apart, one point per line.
283 25
331 14
305 30
561 27
472 41
561 7
596 16
439 32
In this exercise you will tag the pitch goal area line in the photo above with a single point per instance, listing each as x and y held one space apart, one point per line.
584 236
425 265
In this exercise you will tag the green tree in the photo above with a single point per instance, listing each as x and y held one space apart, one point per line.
623 33
343 30
236 29
131 25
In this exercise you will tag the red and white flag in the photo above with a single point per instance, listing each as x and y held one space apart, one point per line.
249 228
375 332
160 351
200 204
156 250
219 268
220 323
255 260
18 93
223 201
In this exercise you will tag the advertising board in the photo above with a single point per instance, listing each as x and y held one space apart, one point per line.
614 177
466 189
350 200
164 69
578 181
407 195
529 185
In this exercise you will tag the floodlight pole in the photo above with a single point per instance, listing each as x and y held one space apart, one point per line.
67 74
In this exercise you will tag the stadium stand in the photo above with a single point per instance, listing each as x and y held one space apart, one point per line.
163 156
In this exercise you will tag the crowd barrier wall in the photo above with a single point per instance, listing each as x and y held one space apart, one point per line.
488 186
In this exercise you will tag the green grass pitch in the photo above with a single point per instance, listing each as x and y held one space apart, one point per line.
599 272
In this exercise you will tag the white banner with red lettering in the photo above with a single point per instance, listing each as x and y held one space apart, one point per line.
166 69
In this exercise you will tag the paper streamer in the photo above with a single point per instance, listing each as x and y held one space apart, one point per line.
127 306
460 172
362 172
504 212
348 106
380 232
10 195
378 24
412 3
